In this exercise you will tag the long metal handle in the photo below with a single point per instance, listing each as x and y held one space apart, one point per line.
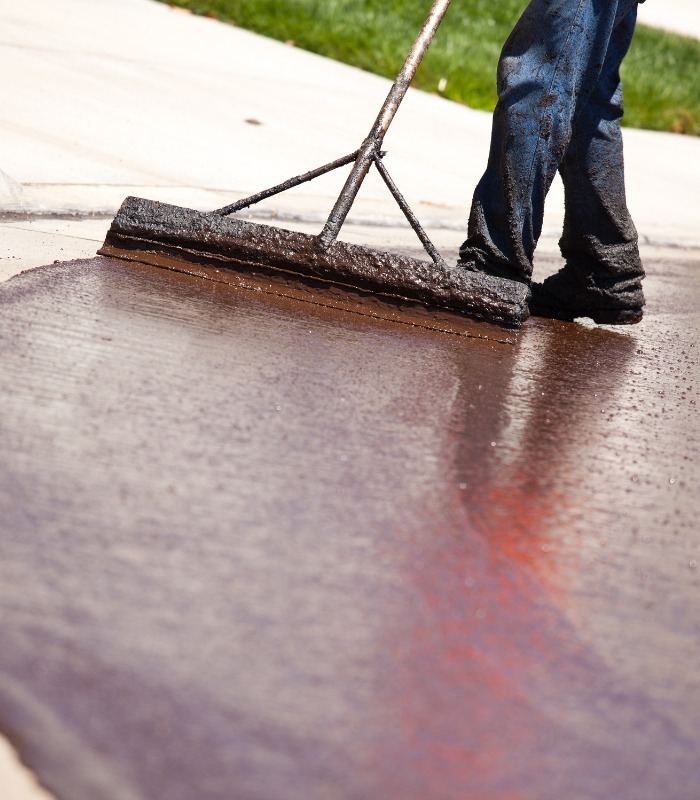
372 144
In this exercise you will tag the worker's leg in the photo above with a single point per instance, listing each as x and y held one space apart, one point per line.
548 67
603 269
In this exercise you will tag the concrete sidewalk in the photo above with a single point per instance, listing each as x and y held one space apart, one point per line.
105 99
678 16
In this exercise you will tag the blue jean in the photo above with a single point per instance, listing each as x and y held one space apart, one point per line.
559 108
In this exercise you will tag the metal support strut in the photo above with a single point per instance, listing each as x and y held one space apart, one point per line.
282 187
430 248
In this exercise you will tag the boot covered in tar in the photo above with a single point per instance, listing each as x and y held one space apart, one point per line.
511 293
606 289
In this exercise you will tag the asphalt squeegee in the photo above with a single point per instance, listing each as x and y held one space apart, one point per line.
215 245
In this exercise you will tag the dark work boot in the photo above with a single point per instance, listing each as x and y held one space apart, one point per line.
570 294
508 297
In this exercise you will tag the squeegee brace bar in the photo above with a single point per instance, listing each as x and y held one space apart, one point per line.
239 205
430 248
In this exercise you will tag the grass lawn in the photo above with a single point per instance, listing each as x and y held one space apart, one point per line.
661 74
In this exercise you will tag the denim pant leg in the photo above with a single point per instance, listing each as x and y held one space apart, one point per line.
549 65
599 241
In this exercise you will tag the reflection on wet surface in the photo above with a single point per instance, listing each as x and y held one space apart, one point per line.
252 543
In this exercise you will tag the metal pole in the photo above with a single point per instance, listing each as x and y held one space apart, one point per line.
430 248
282 187
372 144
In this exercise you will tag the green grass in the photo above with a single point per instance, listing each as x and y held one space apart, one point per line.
660 74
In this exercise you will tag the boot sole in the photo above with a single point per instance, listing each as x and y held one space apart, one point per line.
547 307
601 316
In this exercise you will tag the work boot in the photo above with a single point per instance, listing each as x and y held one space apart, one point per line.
504 298
571 293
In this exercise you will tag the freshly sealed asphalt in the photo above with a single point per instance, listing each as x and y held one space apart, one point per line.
258 548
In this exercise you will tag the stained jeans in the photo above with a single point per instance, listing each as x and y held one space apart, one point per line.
559 108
